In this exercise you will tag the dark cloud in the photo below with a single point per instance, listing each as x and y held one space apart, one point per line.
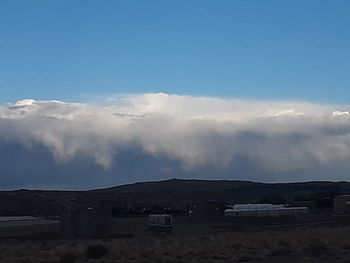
35 168
53 144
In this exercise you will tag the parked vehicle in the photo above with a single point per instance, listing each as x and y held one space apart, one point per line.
160 223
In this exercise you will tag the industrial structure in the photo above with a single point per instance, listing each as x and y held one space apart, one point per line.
342 204
80 220
28 226
160 223
264 210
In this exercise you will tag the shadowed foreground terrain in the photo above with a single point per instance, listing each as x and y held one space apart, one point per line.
283 245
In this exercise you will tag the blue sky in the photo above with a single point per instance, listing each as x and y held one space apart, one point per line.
260 58
272 50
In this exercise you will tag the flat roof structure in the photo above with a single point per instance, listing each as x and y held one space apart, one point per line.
9 221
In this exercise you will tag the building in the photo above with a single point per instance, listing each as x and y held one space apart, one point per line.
79 220
160 223
342 204
28 227
264 210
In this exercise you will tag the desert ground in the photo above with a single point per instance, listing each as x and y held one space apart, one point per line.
318 244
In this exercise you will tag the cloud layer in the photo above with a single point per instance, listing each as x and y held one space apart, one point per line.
195 132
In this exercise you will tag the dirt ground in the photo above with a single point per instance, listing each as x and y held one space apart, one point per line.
138 227
185 226
316 244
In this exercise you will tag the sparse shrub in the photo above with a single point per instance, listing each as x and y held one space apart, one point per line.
144 254
283 243
96 251
317 248
169 260
142 260
259 258
281 252
273 199
219 257
203 238
245 258
68 257
25 260
237 246
122 252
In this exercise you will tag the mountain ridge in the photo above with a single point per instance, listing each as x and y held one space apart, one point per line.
172 193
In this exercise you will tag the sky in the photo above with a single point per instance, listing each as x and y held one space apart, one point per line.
95 94
72 50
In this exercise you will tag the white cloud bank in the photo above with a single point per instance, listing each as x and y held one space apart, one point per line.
197 131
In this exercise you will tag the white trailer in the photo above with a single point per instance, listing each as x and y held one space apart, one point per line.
160 223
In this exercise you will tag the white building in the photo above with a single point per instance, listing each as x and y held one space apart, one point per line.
264 210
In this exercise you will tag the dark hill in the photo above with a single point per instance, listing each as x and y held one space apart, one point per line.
173 193
181 185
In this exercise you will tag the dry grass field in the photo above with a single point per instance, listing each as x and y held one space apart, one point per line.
283 245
